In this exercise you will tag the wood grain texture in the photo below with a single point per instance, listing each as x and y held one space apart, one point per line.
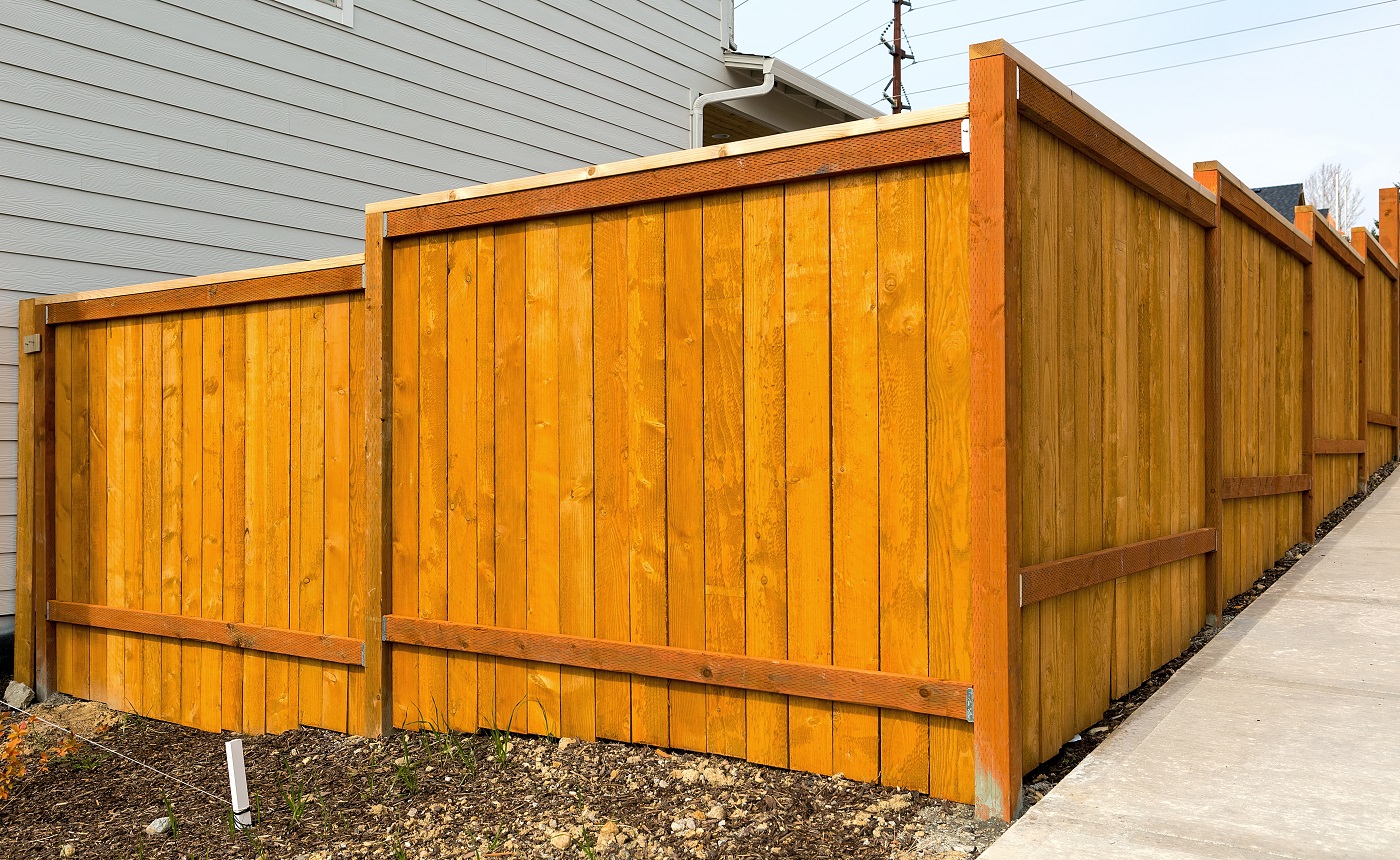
1263 485
855 476
1383 419
1339 446
824 158
249 637
915 694
1050 109
1048 580
317 282
995 482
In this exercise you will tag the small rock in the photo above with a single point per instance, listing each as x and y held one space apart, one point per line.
159 826
401 761
18 695
565 743
690 776
634 759
561 840
68 850
716 813
377 809
682 824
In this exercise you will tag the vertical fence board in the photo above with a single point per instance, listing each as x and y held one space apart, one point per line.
685 477
765 476
403 509
431 399
948 380
211 484
511 441
646 463
611 548
541 713
575 502
460 391
335 615
903 511
236 526
807 387
723 411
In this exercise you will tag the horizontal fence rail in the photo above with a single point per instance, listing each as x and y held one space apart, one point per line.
785 677
898 448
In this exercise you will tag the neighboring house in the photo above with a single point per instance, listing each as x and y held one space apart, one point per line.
1283 198
145 139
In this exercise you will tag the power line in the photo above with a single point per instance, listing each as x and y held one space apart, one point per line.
998 18
1195 62
940 30
869 32
963 53
1239 54
823 26
1222 35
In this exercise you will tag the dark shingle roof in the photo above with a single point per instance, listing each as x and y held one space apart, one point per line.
1283 198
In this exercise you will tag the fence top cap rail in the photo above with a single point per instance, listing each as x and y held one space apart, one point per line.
1202 166
929 116
207 280
1373 249
1342 240
998 47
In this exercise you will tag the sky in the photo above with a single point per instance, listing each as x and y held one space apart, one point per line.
1270 117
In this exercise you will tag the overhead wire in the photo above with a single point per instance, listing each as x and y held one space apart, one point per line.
963 53
1239 54
823 25
1228 33
869 32
930 32
1195 62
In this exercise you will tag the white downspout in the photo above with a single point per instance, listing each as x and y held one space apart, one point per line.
697 110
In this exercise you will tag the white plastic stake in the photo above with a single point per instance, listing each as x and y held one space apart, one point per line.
238 784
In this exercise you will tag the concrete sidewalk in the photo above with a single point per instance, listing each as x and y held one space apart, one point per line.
1281 738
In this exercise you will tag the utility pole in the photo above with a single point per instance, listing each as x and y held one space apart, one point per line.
895 91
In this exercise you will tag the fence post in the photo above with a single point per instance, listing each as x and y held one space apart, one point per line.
995 316
1361 369
1215 506
1390 242
35 637
373 585
1303 220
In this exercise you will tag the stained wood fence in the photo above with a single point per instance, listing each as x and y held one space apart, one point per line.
845 450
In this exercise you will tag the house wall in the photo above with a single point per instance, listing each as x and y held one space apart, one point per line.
154 138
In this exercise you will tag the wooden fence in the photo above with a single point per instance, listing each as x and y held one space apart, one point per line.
844 450
1264 262
195 515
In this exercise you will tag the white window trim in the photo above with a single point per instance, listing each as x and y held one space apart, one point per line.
343 12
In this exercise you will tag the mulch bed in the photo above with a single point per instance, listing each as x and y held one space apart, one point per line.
1045 777
319 795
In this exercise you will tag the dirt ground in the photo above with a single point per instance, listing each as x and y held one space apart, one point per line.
318 795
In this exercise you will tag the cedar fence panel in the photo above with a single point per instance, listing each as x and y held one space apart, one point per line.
188 415
1339 419
1381 343
1111 385
844 450
1263 263
673 409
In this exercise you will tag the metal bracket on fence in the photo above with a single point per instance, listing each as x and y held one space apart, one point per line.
32 343
969 704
